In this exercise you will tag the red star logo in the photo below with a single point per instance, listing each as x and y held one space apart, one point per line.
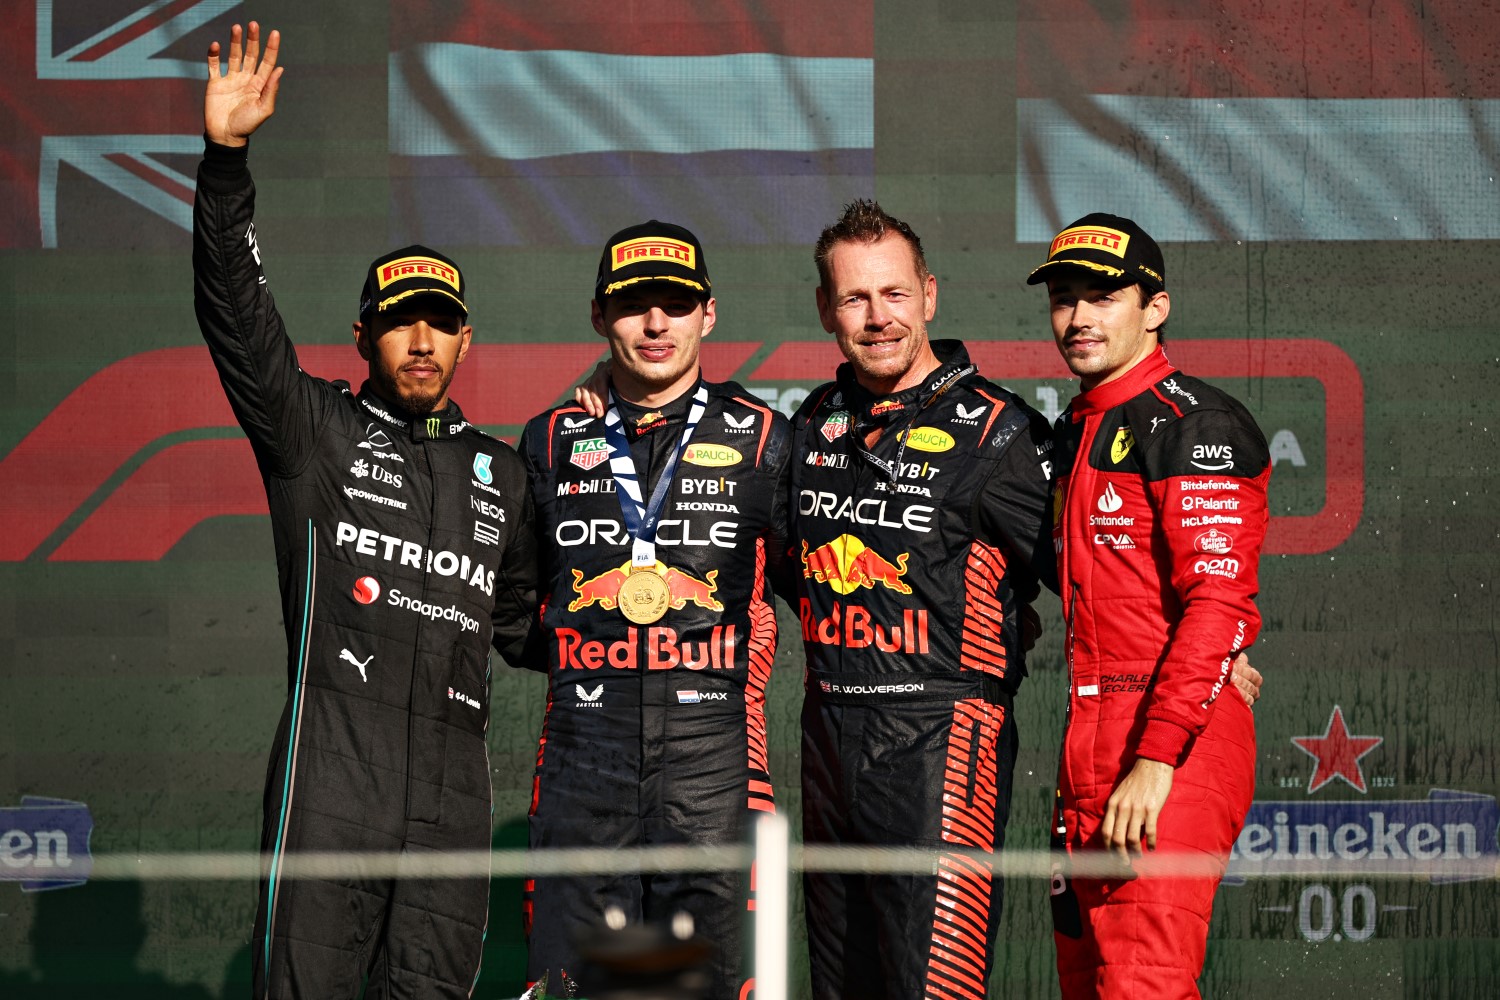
1337 753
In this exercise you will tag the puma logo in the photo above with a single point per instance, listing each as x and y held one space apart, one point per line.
344 654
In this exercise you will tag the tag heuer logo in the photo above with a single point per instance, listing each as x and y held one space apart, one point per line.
836 426
589 453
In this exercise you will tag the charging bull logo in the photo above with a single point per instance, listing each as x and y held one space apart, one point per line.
847 564
604 589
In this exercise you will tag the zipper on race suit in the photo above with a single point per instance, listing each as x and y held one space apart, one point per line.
1067 713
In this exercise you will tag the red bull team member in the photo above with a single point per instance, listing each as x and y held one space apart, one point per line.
404 548
1160 518
660 523
921 491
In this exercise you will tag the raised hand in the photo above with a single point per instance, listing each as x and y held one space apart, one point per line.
237 102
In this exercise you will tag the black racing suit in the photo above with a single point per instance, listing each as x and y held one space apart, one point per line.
920 520
404 548
655 734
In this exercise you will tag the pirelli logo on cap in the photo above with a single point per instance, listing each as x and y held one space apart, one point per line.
652 248
1100 237
409 267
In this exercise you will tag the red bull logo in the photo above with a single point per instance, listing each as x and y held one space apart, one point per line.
683 588
664 650
853 627
846 564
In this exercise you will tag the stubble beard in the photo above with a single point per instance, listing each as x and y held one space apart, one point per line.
416 403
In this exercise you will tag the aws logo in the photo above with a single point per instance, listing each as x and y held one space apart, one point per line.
1213 457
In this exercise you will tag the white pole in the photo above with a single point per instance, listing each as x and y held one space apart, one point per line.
772 906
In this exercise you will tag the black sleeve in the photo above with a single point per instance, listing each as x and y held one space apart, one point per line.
532 654
1013 509
781 567
280 408
514 617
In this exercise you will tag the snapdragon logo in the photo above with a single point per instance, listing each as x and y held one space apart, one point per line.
432 612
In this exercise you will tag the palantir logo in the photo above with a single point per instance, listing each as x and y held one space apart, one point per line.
44 843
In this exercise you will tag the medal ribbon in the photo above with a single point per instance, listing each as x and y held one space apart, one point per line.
893 469
641 520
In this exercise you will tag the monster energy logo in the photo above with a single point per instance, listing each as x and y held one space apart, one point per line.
432 426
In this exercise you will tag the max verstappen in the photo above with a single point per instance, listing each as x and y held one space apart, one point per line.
662 521
1159 521
404 549
921 492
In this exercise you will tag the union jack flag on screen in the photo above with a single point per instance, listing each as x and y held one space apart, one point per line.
102 94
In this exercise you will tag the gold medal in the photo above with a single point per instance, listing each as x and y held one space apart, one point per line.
643 597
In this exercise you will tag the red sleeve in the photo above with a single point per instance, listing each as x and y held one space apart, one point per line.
1207 481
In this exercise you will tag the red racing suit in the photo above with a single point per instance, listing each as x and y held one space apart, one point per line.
1159 517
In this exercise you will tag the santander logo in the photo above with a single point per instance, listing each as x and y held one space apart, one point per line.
366 590
1109 500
